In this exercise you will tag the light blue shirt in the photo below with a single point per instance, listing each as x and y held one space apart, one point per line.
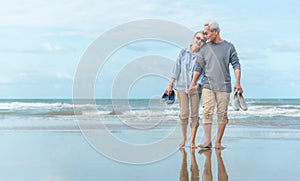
183 70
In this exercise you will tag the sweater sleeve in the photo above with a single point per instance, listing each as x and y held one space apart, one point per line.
199 63
177 66
234 59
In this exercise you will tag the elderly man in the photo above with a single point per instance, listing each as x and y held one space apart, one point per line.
214 59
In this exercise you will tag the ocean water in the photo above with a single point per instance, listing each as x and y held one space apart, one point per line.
28 142
63 113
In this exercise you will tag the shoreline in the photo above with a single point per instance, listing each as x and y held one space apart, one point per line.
133 126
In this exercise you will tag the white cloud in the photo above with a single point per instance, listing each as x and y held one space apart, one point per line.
251 53
45 48
64 75
51 48
277 45
78 13
67 34
18 77
104 14
293 85
5 79
57 86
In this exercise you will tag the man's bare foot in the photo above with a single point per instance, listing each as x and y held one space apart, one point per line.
218 152
219 146
205 145
193 146
182 143
205 152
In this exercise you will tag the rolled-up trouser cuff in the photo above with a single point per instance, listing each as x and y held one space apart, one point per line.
194 122
222 118
183 121
207 118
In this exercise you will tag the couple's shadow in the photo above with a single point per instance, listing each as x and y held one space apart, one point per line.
207 168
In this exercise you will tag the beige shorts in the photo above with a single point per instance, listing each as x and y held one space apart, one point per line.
189 107
210 99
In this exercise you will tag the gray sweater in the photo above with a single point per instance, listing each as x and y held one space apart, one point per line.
214 60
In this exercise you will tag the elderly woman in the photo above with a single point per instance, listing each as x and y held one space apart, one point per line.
180 80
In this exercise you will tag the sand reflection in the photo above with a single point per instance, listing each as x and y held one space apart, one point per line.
194 174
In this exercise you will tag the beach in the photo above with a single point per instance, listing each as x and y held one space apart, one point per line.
66 155
59 147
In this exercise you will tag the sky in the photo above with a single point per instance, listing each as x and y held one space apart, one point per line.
42 44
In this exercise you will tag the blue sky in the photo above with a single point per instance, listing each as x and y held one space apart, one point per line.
42 43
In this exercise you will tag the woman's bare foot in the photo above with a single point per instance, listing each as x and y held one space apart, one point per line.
205 145
193 146
219 146
182 143
182 150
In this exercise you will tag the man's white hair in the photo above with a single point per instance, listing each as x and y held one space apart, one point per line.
213 25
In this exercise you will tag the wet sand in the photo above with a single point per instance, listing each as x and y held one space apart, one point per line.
250 154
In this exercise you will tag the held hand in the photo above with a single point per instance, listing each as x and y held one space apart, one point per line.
192 89
189 90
